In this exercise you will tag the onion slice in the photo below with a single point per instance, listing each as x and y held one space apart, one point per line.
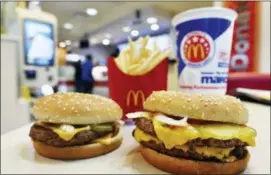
66 128
169 121
139 115
121 122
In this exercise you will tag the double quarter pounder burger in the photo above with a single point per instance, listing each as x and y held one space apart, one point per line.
194 134
75 126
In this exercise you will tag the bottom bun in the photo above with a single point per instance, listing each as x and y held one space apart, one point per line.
77 152
185 166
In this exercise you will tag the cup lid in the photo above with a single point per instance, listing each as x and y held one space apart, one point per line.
206 12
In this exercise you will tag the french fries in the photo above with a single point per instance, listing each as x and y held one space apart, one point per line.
136 59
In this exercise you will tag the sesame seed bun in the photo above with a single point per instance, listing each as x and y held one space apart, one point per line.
175 165
77 152
76 108
196 106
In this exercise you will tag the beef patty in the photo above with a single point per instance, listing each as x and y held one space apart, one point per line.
47 136
238 152
146 125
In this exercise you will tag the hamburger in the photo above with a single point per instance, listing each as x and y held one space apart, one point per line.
193 133
75 126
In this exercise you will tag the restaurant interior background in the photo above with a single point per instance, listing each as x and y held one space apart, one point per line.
98 28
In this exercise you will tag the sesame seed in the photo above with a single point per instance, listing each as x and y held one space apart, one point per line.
228 110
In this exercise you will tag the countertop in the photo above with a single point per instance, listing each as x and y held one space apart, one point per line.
18 155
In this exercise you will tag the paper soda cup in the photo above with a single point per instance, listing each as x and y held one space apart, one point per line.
202 40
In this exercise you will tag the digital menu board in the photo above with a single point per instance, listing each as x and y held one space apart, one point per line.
39 45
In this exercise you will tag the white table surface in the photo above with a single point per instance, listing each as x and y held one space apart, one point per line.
18 155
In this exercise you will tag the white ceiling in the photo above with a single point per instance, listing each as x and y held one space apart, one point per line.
115 27
112 16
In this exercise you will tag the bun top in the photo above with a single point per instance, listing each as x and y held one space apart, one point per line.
197 106
76 108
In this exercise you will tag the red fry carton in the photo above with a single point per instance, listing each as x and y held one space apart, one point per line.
130 91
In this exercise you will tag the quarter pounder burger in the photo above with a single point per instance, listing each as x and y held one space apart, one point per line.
194 134
75 126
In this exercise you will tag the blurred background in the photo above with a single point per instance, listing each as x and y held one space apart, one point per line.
47 47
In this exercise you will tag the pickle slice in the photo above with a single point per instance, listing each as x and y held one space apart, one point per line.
102 128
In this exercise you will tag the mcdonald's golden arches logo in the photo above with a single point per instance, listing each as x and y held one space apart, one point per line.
196 47
134 95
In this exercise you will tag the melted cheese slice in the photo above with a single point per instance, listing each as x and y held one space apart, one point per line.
172 136
142 136
62 133
180 135
220 153
106 140
226 132
207 151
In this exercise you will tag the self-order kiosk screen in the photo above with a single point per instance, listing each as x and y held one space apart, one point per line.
39 46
